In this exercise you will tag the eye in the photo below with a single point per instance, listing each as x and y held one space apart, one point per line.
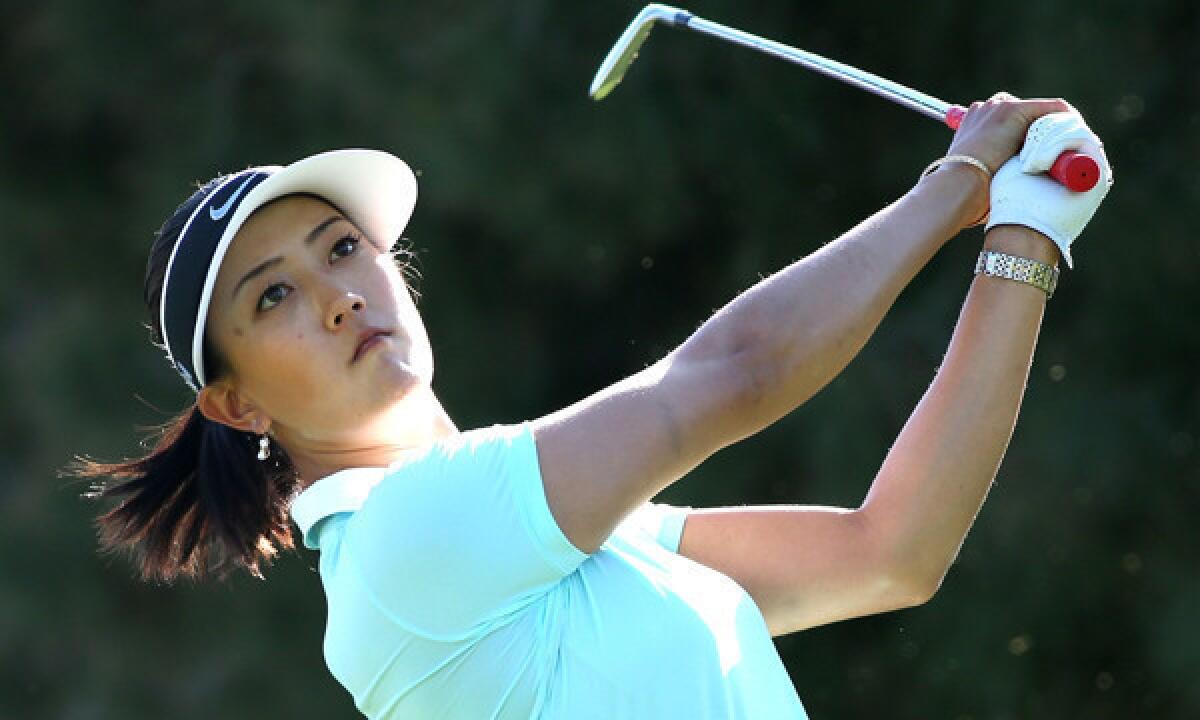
272 296
344 246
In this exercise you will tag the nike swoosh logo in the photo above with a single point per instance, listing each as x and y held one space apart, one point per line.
217 213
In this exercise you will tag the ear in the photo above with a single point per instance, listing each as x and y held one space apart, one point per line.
222 403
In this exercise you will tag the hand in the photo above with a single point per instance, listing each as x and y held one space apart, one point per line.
993 131
1022 195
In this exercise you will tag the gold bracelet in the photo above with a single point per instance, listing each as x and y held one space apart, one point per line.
977 164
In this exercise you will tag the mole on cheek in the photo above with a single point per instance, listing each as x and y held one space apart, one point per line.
238 331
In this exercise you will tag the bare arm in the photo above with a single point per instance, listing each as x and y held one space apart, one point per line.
937 474
756 359
807 322
807 566
766 352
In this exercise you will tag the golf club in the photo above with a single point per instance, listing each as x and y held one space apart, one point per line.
1075 170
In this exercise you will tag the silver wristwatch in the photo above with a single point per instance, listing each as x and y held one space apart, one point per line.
1038 274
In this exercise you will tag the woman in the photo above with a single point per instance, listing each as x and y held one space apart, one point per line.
520 571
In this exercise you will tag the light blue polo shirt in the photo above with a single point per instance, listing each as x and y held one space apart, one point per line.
453 593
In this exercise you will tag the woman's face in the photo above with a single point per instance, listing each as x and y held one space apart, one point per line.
297 289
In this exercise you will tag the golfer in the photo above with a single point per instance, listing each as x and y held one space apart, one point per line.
521 571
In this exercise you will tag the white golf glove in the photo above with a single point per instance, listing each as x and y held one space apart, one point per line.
1021 194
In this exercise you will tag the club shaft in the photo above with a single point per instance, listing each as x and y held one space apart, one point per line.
920 102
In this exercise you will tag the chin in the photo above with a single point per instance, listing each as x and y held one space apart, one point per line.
397 380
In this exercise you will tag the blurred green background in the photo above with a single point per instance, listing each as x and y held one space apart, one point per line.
565 244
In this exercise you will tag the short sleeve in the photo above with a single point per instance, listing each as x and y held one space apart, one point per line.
461 535
660 522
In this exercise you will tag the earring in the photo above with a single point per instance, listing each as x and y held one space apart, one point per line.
264 447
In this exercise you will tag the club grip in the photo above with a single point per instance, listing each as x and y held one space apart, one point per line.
1075 170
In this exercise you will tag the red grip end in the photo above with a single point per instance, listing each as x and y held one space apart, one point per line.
954 116
1077 171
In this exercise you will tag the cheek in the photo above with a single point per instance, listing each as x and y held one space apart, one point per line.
288 368
406 311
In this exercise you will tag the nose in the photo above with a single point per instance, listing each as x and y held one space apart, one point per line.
344 305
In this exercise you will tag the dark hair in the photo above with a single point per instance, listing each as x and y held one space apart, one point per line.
200 502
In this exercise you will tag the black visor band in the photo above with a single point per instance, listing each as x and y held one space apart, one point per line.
191 273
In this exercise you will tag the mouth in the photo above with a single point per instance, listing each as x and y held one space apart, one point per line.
368 339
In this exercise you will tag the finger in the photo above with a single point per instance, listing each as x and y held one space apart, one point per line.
1044 156
1037 107
972 108
1052 134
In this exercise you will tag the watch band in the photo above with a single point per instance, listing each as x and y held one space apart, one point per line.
1038 274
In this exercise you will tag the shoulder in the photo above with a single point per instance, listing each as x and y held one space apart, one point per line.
493 448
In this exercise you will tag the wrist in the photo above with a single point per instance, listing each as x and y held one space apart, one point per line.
1023 242
962 189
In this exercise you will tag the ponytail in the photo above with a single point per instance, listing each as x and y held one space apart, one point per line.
199 503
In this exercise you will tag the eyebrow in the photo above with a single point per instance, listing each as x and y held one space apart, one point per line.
265 264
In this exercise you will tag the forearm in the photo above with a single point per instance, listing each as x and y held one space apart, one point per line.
937 474
796 330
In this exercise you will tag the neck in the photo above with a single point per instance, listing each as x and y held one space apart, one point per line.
409 426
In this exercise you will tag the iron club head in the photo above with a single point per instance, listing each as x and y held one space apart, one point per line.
623 52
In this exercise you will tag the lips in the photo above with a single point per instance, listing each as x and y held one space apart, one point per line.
366 340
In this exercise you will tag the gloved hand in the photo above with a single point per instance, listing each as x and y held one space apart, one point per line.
1021 194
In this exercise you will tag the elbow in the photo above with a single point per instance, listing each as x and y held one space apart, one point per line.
912 579
915 588
755 381
743 341
741 372
913 569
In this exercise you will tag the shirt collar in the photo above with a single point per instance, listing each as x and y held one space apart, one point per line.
343 491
